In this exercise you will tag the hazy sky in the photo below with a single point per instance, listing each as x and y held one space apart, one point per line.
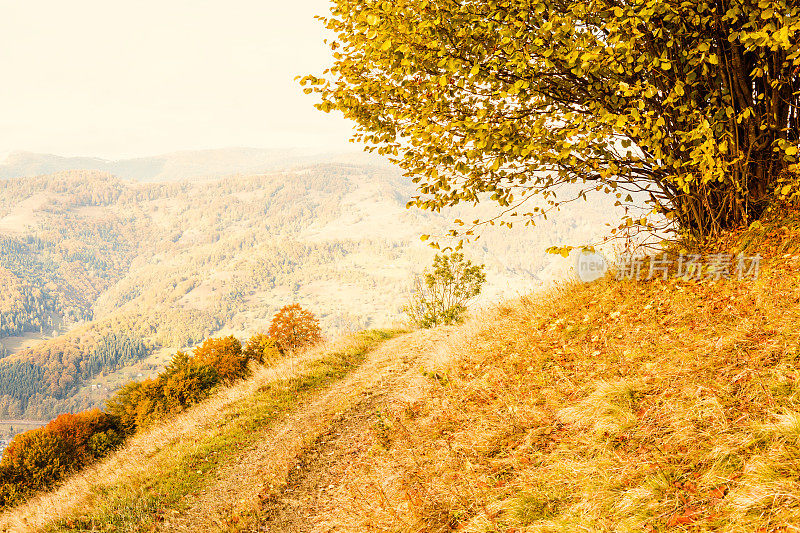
118 79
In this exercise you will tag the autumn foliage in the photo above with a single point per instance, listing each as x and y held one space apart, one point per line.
187 380
224 355
293 328
37 459
262 348
693 104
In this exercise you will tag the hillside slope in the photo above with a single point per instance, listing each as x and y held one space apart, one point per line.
102 279
221 459
661 405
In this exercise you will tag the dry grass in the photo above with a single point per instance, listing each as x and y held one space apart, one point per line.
128 488
234 501
615 406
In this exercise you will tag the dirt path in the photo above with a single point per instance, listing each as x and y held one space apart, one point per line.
296 507
280 479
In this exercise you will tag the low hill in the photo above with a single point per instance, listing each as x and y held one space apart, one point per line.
619 405
176 166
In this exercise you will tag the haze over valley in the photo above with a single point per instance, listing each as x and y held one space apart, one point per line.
104 277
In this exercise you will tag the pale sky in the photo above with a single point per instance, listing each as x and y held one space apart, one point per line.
119 79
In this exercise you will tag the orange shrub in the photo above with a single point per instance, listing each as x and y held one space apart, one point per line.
224 354
262 348
293 328
39 458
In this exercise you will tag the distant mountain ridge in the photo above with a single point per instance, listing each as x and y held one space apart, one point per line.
181 165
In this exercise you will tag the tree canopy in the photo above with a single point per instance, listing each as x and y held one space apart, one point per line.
293 328
441 294
692 104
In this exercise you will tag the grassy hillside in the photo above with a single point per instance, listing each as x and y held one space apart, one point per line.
168 470
611 406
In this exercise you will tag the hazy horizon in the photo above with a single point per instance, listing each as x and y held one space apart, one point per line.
184 164
308 150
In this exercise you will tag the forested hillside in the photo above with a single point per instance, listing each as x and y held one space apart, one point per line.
103 278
